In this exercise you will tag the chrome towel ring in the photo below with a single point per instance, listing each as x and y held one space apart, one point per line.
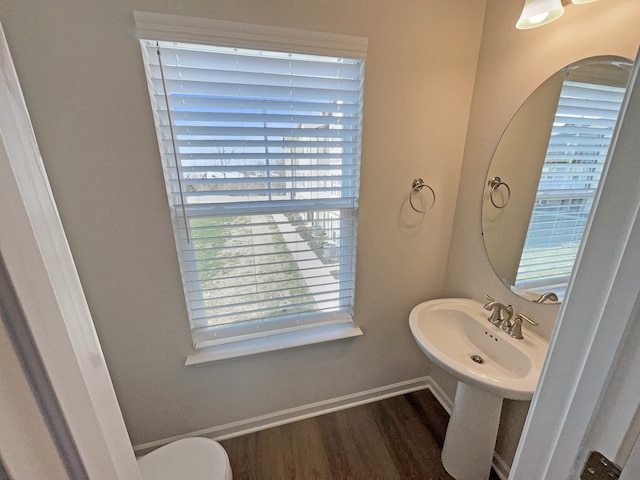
495 183
416 187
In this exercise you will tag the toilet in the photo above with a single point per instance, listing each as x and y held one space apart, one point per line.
194 458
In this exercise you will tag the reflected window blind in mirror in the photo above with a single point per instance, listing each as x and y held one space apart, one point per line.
582 130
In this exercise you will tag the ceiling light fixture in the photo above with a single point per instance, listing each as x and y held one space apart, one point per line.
540 12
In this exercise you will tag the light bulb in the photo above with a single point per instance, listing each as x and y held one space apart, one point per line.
539 12
538 18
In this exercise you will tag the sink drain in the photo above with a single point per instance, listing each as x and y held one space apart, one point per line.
477 359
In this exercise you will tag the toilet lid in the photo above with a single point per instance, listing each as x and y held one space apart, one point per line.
193 458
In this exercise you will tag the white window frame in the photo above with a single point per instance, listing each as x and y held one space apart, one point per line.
164 27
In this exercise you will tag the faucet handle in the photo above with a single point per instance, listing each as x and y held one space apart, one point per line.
493 304
492 301
524 317
547 296
515 330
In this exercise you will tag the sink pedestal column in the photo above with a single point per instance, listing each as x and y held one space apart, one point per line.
468 448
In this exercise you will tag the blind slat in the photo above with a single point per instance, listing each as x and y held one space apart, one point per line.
192 105
285 113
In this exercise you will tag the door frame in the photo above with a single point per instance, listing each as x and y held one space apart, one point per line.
44 279
592 329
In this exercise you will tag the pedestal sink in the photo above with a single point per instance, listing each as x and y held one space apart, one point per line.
454 333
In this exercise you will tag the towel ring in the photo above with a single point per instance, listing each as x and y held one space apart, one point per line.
416 187
495 183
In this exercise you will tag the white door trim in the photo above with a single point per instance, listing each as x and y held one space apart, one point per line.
594 320
39 263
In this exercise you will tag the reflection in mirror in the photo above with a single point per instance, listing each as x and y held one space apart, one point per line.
544 175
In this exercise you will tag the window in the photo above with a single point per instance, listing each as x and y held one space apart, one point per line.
261 156
578 147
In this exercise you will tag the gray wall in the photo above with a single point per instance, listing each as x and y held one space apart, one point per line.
83 80
82 76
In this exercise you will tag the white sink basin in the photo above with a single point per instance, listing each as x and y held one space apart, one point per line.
451 331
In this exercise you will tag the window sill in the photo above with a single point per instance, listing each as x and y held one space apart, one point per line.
272 343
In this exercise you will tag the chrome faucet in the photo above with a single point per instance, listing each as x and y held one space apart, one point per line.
497 317
498 311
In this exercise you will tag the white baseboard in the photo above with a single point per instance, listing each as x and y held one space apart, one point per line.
443 399
262 422
302 412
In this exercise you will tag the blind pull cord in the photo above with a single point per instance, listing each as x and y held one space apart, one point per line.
173 143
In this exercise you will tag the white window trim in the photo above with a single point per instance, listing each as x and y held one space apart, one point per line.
223 33
279 341
233 34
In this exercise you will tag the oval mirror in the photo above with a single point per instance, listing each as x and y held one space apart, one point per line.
544 175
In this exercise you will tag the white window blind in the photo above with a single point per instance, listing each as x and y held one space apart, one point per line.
261 155
578 146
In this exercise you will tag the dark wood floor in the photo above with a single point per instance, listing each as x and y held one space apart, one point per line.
396 438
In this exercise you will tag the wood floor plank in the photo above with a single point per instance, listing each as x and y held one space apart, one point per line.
292 452
415 451
353 447
396 438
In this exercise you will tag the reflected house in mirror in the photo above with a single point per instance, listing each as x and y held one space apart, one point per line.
548 164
